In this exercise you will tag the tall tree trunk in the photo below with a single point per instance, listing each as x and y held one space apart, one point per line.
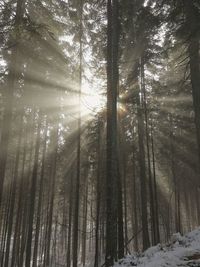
32 197
120 229
16 241
84 234
175 180
143 182
111 232
125 206
6 223
77 185
37 229
151 191
70 221
13 196
96 259
134 202
26 201
46 228
192 18
112 181
195 80
52 195
155 189
98 197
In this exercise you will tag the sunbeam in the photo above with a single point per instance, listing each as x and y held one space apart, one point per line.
99 132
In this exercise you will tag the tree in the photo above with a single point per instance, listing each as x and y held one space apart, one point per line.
82 183
112 182
11 83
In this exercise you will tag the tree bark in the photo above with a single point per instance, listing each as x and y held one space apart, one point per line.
143 182
32 197
77 185
13 195
192 19
155 189
114 225
52 195
37 230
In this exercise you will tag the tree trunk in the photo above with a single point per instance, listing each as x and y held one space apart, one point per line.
98 198
151 191
84 234
37 229
16 241
175 180
143 182
77 185
13 196
52 195
155 189
112 182
32 197
70 221
192 18
134 202
26 201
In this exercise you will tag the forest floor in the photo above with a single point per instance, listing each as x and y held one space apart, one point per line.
180 251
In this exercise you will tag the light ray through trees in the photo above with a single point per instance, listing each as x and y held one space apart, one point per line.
58 191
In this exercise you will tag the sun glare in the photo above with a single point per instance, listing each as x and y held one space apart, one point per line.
91 101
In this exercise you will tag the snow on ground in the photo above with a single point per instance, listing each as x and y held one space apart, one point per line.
181 251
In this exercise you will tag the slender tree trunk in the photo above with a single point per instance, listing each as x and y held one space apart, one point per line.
26 201
96 260
151 192
134 197
198 205
84 234
6 223
125 206
32 197
195 80
120 229
98 199
143 182
46 224
13 196
52 195
187 208
70 223
16 241
37 230
77 185
155 189
175 180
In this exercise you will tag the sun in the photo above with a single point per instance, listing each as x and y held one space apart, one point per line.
92 101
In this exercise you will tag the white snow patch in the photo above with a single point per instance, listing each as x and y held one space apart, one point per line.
172 255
